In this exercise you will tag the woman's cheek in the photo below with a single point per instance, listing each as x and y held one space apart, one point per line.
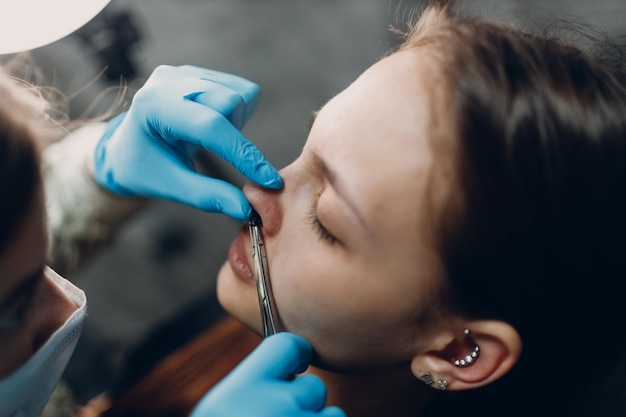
302 271
304 297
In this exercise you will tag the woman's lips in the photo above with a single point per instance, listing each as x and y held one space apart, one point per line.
238 260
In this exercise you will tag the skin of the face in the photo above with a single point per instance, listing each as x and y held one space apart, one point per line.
361 299
32 306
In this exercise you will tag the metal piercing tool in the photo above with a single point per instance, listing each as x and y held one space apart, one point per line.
269 317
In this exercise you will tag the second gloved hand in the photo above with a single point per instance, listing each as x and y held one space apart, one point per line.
148 151
261 385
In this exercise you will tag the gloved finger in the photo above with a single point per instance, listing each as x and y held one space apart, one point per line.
217 196
332 411
169 84
205 193
278 357
248 90
309 391
221 98
206 127
169 87
236 82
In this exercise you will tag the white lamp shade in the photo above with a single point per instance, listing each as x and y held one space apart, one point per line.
29 24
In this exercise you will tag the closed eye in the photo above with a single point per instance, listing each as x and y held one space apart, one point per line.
321 230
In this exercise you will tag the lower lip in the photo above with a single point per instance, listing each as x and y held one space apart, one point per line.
239 263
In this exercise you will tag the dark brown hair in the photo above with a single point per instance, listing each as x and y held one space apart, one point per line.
536 235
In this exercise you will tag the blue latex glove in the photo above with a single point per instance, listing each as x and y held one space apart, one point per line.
261 387
148 150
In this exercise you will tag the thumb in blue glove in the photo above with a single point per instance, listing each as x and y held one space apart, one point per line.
148 151
261 385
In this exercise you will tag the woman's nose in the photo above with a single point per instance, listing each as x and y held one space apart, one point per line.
266 203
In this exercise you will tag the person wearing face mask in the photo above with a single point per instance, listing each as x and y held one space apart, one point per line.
146 152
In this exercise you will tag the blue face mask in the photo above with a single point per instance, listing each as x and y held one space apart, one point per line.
25 392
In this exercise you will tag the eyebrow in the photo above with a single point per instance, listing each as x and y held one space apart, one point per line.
26 285
335 182
333 179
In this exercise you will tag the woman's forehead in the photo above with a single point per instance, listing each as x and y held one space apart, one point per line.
375 136
393 97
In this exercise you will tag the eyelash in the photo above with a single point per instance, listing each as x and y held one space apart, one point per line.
323 233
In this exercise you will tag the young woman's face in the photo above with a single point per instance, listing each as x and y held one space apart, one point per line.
349 248
32 307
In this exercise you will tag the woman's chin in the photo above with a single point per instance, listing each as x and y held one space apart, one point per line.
238 299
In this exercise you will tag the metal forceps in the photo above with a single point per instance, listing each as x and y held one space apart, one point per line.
269 316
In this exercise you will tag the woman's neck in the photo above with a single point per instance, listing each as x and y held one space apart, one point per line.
395 393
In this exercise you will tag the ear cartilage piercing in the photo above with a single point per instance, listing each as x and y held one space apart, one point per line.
443 384
427 379
471 358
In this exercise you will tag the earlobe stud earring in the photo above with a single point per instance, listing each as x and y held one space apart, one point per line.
472 356
427 379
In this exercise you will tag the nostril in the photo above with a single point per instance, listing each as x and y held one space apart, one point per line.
255 219
265 207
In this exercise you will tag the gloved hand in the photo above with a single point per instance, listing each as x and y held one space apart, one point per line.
148 150
261 387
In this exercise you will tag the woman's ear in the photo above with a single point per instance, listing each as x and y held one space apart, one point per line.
476 355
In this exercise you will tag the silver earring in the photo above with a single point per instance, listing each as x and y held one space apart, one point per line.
443 384
427 379
471 357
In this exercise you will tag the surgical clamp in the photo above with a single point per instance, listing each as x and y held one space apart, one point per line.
269 317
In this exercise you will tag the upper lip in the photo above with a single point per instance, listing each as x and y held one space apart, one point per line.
245 246
244 240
